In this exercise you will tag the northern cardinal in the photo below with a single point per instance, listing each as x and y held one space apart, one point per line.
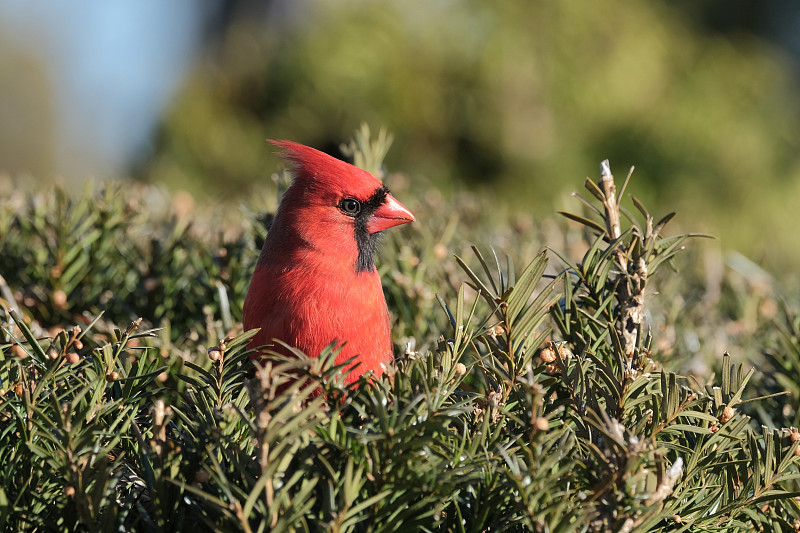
315 282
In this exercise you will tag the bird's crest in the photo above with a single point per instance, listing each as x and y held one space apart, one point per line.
310 164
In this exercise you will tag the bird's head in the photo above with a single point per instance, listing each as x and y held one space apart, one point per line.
334 204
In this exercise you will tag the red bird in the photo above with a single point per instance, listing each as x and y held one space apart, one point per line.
315 282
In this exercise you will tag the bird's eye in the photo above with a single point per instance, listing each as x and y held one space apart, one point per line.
350 206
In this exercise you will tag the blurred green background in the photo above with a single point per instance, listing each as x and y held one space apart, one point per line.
519 99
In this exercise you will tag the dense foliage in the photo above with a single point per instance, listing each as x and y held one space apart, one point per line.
541 398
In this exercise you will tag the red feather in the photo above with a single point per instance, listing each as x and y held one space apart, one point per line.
315 282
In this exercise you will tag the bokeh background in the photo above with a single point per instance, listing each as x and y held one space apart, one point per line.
518 99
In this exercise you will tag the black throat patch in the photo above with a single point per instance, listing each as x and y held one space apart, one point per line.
367 242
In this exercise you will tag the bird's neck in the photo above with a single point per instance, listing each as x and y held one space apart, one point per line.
295 242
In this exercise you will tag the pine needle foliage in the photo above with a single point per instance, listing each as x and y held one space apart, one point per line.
538 398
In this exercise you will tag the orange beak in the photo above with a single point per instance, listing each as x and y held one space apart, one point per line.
390 213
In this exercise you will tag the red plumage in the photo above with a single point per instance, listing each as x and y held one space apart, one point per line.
315 282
